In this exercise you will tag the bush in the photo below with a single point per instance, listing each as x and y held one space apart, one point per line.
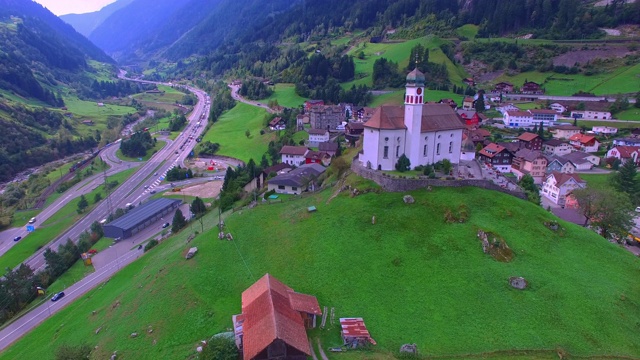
269 193
150 245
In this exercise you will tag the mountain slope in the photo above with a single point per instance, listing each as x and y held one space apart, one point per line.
87 22
145 26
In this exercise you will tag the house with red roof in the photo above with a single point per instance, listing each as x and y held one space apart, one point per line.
624 154
498 156
558 185
584 142
530 141
470 117
503 87
274 320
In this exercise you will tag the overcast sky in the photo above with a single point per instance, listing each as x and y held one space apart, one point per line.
62 7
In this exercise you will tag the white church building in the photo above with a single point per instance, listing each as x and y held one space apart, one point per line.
425 133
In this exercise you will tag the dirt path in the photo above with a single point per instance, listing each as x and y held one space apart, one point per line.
313 353
206 190
324 356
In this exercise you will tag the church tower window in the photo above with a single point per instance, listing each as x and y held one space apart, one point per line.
450 147
424 151
438 149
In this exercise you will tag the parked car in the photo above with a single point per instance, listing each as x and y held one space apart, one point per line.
58 296
165 225
152 192
17 238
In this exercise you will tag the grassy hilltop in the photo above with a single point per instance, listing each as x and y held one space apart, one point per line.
411 276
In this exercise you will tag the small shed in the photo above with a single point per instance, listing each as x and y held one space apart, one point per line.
355 333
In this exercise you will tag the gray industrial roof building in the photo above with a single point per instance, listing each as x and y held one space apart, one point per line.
140 218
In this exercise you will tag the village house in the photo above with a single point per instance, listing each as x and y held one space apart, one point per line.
469 82
564 131
311 103
297 180
557 107
591 115
327 117
273 322
507 107
529 118
582 160
467 103
88 122
530 141
557 147
604 130
301 120
468 152
624 154
449 102
277 124
503 87
277 169
425 133
498 156
532 88
316 136
363 114
627 141
560 164
558 185
584 142
318 157
470 117
530 162
293 155
477 135
329 147
354 128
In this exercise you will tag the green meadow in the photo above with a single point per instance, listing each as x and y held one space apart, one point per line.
229 132
159 145
411 276
286 96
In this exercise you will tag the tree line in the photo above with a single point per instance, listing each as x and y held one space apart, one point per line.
138 144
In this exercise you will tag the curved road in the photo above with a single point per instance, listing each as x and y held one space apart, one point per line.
135 189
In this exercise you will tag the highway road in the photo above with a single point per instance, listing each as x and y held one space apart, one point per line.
134 190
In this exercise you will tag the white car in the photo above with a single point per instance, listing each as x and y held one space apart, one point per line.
638 209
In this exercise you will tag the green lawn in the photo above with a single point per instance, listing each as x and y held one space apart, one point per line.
632 113
21 217
597 181
397 97
286 96
469 31
159 145
170 95
229 132
396 52
412 278
623 79
54 226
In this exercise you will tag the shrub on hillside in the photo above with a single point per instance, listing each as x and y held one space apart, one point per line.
150 245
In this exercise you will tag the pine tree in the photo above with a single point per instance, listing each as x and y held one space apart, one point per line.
535 128
178 221
541 131
198 207
480 102
82 204
403 164
625 180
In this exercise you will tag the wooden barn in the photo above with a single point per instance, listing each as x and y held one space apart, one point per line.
274 320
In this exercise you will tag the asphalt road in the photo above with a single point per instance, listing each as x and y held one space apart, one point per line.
237 97
134 190
138 186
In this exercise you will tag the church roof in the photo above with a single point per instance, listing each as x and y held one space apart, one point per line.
435 117
415 77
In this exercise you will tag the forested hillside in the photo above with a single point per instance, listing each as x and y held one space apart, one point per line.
86 23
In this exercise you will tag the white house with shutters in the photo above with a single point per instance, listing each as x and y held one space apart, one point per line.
424 133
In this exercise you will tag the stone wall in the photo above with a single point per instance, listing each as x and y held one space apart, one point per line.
396 184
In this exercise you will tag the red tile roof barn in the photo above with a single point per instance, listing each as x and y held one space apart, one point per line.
527 136
304 303
269 315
